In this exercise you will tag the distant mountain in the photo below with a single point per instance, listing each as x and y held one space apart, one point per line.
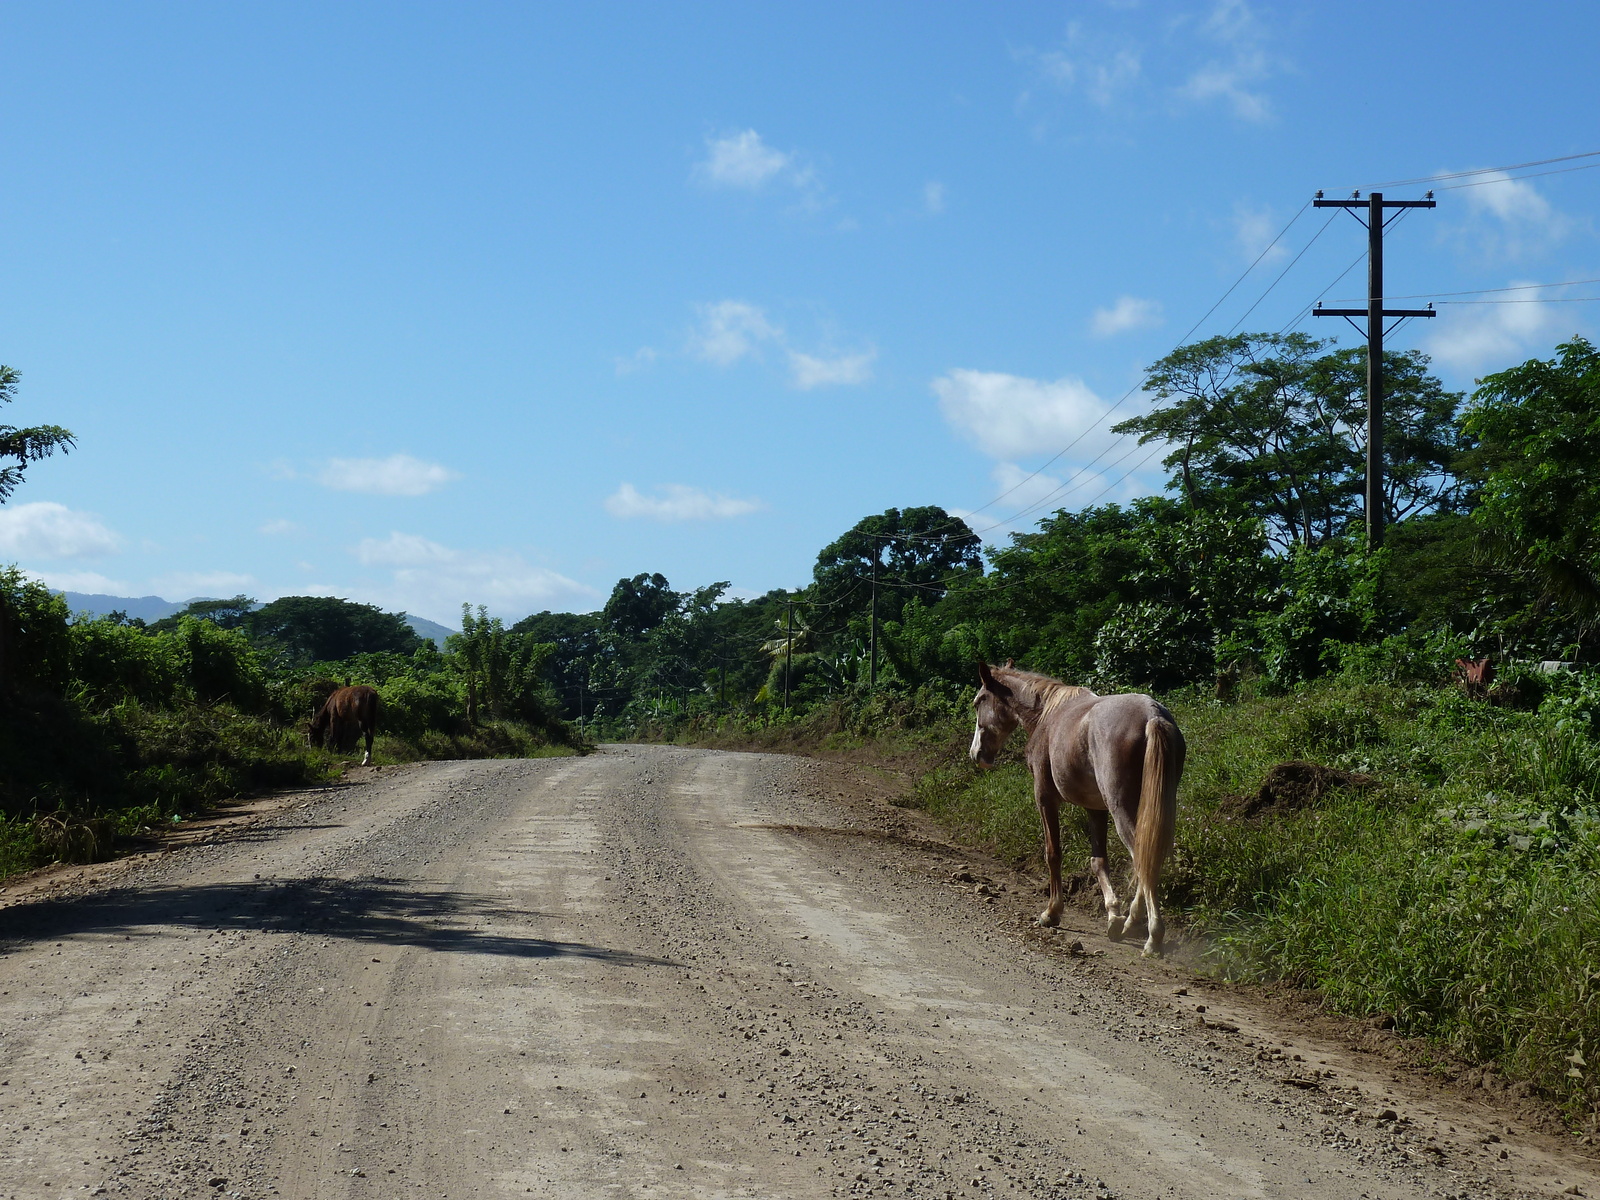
153 608
432 630
146 608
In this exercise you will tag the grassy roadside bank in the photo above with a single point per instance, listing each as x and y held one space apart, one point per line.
1440 873
99 779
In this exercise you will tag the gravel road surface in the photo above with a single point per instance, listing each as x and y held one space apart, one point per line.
656 972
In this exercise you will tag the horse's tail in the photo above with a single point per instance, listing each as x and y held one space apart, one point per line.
1158 799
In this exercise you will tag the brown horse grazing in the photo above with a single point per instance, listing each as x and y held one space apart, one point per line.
1116 756
348 713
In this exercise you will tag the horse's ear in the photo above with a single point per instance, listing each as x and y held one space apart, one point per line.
1011 662
985 676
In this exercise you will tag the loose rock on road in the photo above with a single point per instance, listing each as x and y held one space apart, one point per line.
648 972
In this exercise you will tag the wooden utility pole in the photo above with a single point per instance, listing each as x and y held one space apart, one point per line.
872 638
788 652
1375 313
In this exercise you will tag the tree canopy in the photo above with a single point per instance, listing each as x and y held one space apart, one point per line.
1537 428
25 445
1274 425
916 550
326 629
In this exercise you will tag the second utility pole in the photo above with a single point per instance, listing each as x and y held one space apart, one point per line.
872 681
788 653
1374 312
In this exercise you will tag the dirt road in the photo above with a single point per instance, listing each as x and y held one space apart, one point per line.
654 972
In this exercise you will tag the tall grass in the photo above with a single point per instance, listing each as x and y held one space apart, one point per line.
1459 895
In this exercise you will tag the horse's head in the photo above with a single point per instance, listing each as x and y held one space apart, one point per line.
317 729
995 717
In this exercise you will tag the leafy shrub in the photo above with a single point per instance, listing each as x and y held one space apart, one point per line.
1152 644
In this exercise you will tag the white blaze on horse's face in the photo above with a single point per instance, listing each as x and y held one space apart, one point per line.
988 733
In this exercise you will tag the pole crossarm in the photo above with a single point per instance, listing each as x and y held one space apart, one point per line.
1321 203
1319 311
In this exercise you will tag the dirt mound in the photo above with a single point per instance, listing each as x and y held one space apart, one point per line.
1291 786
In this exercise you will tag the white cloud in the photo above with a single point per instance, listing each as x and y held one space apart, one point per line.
91 582
933 197
402 550
1508 218
1509 199
1021 488
729 330
1474 337
1008 416
1090 63
677 502
1121 64
1227 82
1232 24
397 475
434 580
189 584
278 528
808 371
1254 228
637 361
45 529
743 160
1129 312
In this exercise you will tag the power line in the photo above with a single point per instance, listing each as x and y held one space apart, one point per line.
1125 395
1520 287
1536 300
1488 170
1284 272
1451 187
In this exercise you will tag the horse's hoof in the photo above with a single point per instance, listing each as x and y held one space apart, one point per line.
1114 930
1049 919
1152 950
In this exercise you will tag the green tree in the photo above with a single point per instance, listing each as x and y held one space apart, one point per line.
576 638
502 669
228 614
1537 428
638 605
25 445
1271 425
916 551
326 629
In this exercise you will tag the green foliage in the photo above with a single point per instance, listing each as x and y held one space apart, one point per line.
230 614
913 551
1271 425
1328 596
502 671
325 629
27 445
1538 457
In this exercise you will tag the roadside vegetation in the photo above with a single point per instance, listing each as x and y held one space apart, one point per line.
112 729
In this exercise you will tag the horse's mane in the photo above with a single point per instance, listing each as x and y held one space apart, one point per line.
1039 690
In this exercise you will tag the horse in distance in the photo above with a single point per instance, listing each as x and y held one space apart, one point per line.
347 714
1118 758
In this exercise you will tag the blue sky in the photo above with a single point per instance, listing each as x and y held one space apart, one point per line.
423 303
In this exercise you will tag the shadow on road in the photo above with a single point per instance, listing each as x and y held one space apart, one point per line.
381 911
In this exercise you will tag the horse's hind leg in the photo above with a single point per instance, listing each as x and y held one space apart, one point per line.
366 759
1099 868
1049 802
